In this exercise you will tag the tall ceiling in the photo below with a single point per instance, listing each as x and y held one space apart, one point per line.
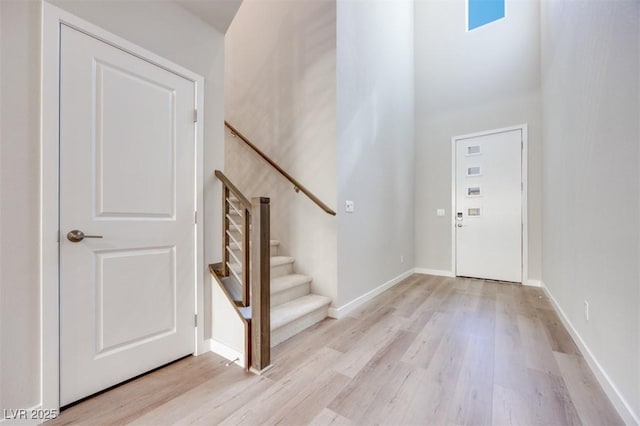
217 13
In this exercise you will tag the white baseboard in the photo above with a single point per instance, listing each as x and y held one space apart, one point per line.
441 273
28 416
227 352
203 346
345 309
435 272
616 398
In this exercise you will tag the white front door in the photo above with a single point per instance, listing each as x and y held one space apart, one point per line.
127 174
488 206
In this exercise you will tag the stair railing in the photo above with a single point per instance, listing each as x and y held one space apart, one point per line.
297 186
236 220
246 256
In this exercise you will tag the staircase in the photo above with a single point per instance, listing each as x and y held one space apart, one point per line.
293 306
272 301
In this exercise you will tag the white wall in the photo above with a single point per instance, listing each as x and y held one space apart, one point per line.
228 328
591 186
280 92
19 204
375 105
468 82
172 33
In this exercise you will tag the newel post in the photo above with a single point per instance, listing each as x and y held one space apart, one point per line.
260 284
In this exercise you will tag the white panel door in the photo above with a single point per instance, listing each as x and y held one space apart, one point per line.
488 214
127 174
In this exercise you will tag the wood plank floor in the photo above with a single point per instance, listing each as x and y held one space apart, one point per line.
431 350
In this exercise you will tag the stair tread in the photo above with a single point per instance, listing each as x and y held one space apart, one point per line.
281 260
275 261
286 282
245 312
297 308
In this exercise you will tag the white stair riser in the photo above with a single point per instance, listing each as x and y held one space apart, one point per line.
281 334
281 270
273 251
290 294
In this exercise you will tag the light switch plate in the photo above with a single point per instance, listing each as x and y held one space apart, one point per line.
349 206
440 212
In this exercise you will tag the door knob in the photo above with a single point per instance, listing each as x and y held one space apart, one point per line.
76 236
459 225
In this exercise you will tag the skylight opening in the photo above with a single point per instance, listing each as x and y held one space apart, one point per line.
483 12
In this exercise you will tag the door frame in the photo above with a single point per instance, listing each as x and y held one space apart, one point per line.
524 229
52 20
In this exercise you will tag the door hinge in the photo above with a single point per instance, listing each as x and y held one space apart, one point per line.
521 186
195 115
195 320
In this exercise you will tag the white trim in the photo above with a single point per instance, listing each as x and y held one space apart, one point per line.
453 206
616 398
206 345
345 309
52 18
533 283
525 202
49 385
436 272
524 128
201 269
260 372
227 352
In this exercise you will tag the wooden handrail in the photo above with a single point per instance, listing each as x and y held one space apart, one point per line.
297 186
241 198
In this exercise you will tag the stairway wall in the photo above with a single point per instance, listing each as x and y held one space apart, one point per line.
375 140
280 66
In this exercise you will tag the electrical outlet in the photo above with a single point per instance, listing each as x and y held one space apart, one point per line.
440 212
401 259
349 206
586 310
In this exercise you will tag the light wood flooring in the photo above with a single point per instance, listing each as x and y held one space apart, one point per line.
431 350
